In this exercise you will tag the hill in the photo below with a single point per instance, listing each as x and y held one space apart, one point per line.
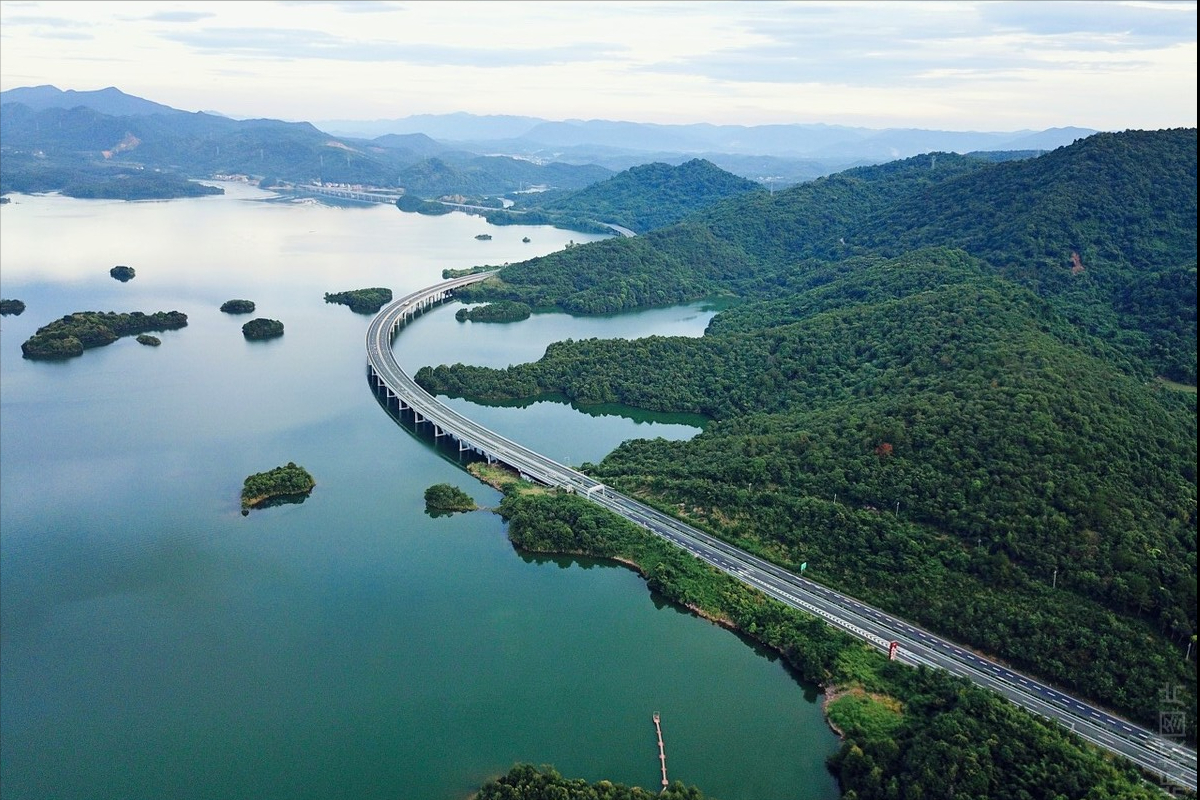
489 176
649 196
921 395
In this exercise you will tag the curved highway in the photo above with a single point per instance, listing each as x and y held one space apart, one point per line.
1166 758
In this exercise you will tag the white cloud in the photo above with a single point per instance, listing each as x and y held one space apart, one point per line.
961 65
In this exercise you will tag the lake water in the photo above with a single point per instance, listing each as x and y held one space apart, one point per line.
155 643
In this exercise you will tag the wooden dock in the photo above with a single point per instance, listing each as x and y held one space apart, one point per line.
662 753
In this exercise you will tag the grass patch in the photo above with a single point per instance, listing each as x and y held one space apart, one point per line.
1179 387
859 714
501 477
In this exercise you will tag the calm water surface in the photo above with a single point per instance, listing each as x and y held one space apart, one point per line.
154 643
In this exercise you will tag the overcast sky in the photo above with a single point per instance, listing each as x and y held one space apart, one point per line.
994 66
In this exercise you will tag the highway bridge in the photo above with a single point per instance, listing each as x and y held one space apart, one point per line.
1168 759
359 195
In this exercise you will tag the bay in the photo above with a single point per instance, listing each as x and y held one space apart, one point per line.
156 643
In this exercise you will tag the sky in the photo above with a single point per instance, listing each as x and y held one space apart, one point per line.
981 66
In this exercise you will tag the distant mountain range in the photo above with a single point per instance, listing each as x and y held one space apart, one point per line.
76 142
379 151
534 136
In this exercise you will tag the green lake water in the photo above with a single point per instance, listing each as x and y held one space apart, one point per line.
155 643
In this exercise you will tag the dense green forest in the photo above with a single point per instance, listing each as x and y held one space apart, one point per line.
907 733
931 429
70 335
1106 228
14 307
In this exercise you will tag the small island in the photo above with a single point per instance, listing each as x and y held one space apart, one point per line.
282 484
444 498
362 301
14 307
416 205
147 339
483 237
238 306
71 335
526 239
262 328
499 311
122 273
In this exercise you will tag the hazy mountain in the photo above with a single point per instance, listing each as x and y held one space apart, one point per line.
1048 139
453 127
70 135
413 142
111 101
531 136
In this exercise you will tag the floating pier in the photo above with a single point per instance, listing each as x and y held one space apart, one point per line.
662 753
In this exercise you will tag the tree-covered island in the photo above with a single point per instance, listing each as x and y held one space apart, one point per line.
528 782
122 273
238 306
444 497
147 339
72 334
499 311
361 301
14 307
289 480
415 205
262 328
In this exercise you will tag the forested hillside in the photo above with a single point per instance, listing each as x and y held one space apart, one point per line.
1106 227
649 196
967 436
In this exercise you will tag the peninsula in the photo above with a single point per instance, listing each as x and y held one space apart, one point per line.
362 301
